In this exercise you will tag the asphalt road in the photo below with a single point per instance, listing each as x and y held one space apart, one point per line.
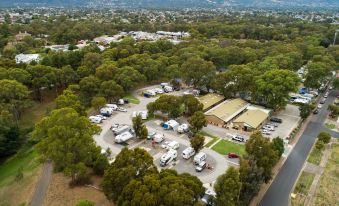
42 186
280 189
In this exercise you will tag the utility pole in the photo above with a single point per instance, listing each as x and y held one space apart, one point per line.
335 36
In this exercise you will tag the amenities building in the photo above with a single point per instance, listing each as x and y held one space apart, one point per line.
210 100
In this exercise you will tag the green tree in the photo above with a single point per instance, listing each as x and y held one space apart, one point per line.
334 109
139 127
111 91
227 188
335 83
197 142
106 71
128 77
71 100
10 139
275 85
92 60
14 95
258 145
192 104
65 137
324 137
305 110
197 121
319 145
127 166
98 103
278 145
198 72
316 74
89 87
167 104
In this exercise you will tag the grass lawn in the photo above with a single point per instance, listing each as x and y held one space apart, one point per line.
25 158
328 192
30 116
224 147
315 156
304 183
211 142
330 126
132 99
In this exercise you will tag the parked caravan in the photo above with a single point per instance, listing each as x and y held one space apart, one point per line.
95 119
123 137
188 153
168 157
113 106
168 89
158 138
200 157
106 111
171 124
183 128
122 129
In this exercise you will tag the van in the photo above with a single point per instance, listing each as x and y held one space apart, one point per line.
173 145
201 166
183 128
121 129
158 138
113 106
168 157
200 157
95 119
188 153
238 138
106 111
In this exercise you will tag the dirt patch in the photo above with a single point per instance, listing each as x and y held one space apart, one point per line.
21 192
59 193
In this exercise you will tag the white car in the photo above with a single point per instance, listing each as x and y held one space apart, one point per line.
159 138
158 90
183 128
320 106
121 109
101 116
266 132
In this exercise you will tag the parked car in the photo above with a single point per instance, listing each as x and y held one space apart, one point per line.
121 109
238 138
121 102
95 119
266 132
275 119
183 128
322 101
232 155
319 106
151 135
268 127
168 157
316 111
101 116
159 90
201 166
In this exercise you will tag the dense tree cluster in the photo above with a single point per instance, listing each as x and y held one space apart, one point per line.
133 179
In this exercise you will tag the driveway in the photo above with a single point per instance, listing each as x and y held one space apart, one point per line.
281 187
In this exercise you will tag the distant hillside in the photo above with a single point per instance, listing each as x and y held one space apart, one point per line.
173 3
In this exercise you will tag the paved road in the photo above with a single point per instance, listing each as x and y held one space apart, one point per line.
280 189
42 186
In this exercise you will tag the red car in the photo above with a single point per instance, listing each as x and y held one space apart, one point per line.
232 155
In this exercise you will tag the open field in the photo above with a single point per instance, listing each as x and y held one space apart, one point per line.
315 156
224 147
328 193
71 195
304 183
11 191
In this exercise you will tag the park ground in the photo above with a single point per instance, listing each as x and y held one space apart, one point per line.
317 184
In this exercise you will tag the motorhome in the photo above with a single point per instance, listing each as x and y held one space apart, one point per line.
123 137
188 153
172 145
121 129
143 114
168 89
168 157
171 124
200 157
95 119
158 138
106 111
113 106
183 128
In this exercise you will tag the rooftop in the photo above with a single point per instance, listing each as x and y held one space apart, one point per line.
210 99
252 118
228 109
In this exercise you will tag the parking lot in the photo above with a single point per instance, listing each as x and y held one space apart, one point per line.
105 140
290 118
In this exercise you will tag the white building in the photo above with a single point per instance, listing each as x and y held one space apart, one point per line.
27 58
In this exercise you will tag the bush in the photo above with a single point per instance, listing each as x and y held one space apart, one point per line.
319 145
324 137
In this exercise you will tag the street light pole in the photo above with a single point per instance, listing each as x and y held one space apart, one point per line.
335 36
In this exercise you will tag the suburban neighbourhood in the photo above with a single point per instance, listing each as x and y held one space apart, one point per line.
171 103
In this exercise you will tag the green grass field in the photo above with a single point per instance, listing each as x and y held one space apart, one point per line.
315 156
211 142
330 126
304 183
224 147
25 158
132 99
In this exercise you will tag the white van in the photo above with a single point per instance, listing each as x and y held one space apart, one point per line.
106 111
200 157
168 89
158 138
123 137
113 106
183 128
168 157
173 145
188 153
95 119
